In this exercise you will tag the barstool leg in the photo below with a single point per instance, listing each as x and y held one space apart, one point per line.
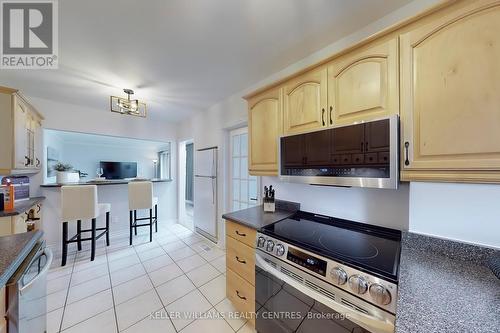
150 225
64 243
107 228
130 228
135 222
78 232
156 218
92 251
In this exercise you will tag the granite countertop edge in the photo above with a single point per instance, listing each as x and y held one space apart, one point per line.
21 206
256 218
107 182
16 260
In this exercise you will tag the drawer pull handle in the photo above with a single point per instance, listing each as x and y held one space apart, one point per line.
240 261
407 160
242 297
240 234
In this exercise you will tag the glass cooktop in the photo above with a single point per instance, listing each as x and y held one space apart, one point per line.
369 248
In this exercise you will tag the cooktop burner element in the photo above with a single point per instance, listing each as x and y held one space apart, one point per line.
369 248
339 243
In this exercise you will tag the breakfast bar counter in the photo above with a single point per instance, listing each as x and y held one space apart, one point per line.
107 182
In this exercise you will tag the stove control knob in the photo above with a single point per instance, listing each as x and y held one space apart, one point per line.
270 246
339 276
280 250
358 284
380 294
261 242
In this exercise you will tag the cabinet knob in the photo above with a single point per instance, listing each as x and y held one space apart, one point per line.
331 117
323 116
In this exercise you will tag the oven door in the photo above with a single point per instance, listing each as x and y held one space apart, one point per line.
289 300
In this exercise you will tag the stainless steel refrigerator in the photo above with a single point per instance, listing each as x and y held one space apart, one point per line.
205 192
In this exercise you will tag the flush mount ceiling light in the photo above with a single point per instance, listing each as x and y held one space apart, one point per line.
128 106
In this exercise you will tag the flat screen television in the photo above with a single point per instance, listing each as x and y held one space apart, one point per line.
119 170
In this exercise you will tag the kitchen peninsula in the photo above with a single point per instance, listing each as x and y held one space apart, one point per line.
114 192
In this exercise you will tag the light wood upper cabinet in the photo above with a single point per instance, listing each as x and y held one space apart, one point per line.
450 76
264 127
305 102
363 84
20 134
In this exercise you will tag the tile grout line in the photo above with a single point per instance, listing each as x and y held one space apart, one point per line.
154 288
61 330
106 251
67 293
112 293
197 288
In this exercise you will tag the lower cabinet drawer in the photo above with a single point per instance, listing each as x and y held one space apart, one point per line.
241 233
240 258
241 294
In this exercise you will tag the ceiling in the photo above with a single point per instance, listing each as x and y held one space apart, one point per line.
184 56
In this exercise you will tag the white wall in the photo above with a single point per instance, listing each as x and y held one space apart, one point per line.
375 206
388 208
68 117
86 157
464 212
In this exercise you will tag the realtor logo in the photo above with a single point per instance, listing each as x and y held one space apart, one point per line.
29 34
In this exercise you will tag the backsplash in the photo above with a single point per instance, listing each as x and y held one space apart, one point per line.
388 208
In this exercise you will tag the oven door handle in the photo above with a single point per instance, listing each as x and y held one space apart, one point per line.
375 324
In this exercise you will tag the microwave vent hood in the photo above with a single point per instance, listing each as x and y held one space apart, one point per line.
359 155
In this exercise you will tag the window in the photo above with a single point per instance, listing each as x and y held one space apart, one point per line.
164 163
244 188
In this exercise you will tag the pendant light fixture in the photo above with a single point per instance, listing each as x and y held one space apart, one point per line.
127 105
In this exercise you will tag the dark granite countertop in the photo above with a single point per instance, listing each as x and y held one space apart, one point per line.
13 250
445 286
21 206
106 182
256 218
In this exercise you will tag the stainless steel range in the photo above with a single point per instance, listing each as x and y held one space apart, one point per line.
334 275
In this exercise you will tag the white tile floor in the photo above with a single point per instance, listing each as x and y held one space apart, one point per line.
176 283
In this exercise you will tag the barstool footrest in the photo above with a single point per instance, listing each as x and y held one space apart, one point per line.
75 240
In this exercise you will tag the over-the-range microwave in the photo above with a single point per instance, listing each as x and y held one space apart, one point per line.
359 155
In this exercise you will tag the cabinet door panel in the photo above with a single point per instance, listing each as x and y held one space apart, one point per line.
450 84
264 117
363 84
348 140
292 150
305 100
38 144
377 136
317 147
20 134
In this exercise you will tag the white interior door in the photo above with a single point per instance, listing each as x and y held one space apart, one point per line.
243 187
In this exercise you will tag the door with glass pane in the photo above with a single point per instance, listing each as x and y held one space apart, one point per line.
244 187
